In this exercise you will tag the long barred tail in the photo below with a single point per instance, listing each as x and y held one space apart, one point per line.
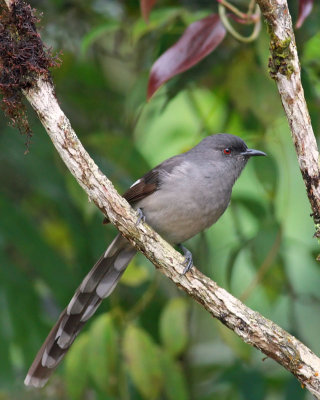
97 285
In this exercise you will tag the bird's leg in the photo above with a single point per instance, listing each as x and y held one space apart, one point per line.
141 216
188 261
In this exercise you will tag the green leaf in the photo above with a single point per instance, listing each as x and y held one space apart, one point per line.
254 206
274 279
79 198
267 172
266 243
76 367
13 323
103 354
135 275
232 258
159 18
143 360
173 326
311 49
31 243
246 78
97 33
175 385
122 153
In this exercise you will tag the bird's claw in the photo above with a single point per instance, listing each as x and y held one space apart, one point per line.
141 216
188 260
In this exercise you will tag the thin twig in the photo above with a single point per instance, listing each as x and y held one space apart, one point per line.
251 7
233 8
236 34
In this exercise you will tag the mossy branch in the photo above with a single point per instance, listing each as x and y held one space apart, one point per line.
284 68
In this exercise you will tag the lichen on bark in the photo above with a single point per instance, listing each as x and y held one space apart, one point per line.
280 60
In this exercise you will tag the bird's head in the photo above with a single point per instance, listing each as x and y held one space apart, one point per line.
227 148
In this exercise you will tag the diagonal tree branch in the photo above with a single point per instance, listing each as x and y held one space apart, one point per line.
284 68
249 325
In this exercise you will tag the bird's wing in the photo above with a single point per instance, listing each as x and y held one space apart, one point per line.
143 187
150 182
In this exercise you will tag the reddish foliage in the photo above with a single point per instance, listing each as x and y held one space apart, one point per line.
146 6
197 41
23 58
305 8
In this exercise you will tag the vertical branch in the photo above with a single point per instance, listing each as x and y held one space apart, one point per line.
284 68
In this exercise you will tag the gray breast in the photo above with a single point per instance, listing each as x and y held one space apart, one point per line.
188 201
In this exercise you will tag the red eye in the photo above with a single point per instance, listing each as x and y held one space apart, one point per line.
227 151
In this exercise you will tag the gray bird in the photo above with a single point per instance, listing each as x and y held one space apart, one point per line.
179 198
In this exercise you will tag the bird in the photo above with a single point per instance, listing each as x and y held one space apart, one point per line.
179 198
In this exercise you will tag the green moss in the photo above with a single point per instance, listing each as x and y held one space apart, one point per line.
281 57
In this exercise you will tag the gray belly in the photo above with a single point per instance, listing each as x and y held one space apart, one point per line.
181 213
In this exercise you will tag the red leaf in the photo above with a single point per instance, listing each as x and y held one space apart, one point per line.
146 6
305 8
197 41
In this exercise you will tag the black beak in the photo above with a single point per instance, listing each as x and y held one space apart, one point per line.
252 152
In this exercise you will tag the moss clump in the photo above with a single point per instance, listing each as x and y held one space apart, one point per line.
281 57
23 58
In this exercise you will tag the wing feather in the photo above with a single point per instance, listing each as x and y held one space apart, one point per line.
150 182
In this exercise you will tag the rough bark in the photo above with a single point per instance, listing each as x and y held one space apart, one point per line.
284 68
249 325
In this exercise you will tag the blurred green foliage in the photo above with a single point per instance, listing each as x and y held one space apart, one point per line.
148 341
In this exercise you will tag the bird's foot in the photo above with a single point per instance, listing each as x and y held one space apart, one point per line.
188 261
141 216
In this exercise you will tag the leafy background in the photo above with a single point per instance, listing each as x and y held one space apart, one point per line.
149 341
